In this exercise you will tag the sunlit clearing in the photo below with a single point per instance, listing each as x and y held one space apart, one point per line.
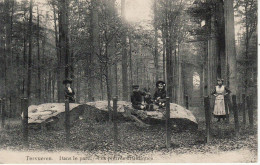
196 80
138 10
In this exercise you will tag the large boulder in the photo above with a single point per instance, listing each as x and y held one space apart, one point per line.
49 114
176 112
103 105
52 115
180 117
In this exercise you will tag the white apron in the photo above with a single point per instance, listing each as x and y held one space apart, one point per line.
219 108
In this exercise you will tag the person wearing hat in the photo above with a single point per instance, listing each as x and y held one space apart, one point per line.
160 94
220 92
69 92
137 98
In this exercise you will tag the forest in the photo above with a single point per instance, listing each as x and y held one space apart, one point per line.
188 44
106 50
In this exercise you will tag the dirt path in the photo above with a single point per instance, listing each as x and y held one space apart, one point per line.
238 156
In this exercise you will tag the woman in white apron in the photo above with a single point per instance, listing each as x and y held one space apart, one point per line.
219 107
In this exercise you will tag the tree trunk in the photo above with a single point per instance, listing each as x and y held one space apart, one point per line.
78 86
24 52
71 64
230 45
7 48
44 59
169 59
58 51
38 57
175 76
124 55
179 90
64 40
169 70
205 69
101 83
53 87
10 72
164 64
113 71
212 56
130 61
247 39
108 84
156 42
65 36
220 36
94 48
49 87
30 53
95 43
46 88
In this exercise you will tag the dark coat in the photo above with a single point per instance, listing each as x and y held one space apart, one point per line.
136 98
69 95
148 99
159 93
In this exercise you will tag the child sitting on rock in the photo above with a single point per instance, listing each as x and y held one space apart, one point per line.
148 99
160 94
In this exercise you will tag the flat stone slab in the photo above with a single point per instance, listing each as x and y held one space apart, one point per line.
53 113
176 111
42 112
103 105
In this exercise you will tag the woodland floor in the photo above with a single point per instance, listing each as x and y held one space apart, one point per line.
95 139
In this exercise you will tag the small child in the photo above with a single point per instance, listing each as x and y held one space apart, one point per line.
68 91
160 94
148 99
136 98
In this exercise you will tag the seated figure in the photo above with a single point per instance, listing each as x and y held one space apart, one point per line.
148 99
137 98
160 94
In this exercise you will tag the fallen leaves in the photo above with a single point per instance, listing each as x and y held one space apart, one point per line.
97 136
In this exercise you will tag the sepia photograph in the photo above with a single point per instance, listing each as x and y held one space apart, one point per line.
128 81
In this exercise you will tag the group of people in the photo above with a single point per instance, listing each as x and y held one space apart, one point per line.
142 100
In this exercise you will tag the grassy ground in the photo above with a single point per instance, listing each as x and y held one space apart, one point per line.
98 137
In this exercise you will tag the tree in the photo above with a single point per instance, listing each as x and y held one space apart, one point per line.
230 45
30 52
38 55
94 34
156 41
170 14
124 55
247 55
213 32
64 39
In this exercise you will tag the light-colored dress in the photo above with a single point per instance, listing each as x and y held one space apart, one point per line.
219 108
